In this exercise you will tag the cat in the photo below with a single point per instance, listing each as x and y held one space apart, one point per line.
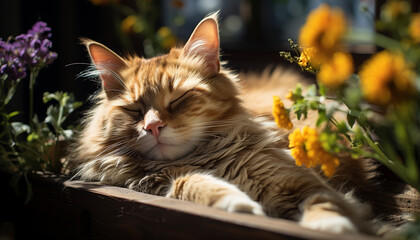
175 126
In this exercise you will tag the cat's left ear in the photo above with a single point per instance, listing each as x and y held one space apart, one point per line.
204 43
105 59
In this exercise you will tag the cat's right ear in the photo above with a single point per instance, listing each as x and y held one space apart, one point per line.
204 42
109 65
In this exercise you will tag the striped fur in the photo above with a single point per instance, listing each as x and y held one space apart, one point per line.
211 150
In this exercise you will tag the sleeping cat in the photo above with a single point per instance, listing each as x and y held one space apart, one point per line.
174 126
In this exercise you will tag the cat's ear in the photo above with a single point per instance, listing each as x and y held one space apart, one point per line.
204 43
109 65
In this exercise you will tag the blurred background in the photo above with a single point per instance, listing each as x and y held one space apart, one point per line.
252 32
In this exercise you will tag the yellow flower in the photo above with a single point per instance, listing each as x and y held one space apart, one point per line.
414 28
289 95
323 30
386 78
307 150
281 116
127 25
336 71
166 37
308 58
394 9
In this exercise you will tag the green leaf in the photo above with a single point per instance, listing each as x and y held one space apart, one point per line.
12 114
353 97
322 117
32 137
322 90
351 120
49 96
329 141
311 91
19 128
314 105
342 127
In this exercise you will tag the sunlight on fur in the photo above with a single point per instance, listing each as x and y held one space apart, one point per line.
177 125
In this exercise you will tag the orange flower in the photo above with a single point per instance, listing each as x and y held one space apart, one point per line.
166 37
308 58
323 30
414 28
392 10
307 150
281 116
289 95
336 71
127 25
386 78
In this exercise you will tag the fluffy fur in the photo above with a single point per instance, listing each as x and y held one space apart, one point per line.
175 126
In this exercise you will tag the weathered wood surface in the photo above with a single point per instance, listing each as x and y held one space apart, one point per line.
396 202
62 209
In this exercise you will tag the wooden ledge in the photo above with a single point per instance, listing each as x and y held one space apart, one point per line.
63 209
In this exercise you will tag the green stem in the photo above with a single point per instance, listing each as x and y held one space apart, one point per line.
395 166
366 36
56 164
11 91
407 143
12 139
335 123
32 78
55 160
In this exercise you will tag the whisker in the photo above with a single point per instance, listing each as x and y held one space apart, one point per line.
73 64
94 71
113 146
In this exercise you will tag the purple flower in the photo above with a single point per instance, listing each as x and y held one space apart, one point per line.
10 63
30 50
41 30
13 68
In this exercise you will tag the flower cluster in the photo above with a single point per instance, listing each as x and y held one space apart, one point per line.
323 31
281 115
337 70
321 38
33 146
393 83
414 28
307 150
10 63
373 113
25 53
30 50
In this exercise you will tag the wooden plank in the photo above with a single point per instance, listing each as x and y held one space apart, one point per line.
62 209
49 213
132 214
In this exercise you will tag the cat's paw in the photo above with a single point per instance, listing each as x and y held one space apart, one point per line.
239 203
333 224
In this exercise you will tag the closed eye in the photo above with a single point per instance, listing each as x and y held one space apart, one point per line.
179 98
133 112
130 110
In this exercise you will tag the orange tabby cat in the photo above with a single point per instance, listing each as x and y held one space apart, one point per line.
174 126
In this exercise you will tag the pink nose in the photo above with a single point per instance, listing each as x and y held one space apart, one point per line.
154 127
153 123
